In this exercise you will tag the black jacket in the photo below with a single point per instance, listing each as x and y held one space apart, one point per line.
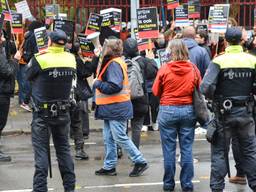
8 71
140 105
83 90
30 46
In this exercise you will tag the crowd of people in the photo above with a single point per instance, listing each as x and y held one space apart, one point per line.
54 85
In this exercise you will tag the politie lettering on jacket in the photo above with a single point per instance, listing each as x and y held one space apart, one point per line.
237 74
56 73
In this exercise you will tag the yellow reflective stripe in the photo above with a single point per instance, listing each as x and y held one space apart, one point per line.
235 60
56 58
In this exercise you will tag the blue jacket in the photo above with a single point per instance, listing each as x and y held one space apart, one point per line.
197 55
112 82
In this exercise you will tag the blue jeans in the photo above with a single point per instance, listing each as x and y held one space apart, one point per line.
177 121
24 85
114 133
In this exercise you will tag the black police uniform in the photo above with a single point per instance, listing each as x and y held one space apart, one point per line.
229 82
51 76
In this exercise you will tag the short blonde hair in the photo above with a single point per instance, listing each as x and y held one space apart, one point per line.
178 50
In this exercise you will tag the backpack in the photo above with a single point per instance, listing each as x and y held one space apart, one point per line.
135 78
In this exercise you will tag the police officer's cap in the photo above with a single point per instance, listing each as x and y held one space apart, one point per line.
233 35
58 36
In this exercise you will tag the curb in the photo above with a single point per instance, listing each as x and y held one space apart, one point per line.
28 132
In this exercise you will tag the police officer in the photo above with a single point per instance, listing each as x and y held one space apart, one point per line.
51 76
229 83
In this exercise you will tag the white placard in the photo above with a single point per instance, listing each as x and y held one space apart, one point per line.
23 8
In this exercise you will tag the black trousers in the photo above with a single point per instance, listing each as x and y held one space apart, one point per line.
59 128
4 110
76 125
239 123
151 116
85 118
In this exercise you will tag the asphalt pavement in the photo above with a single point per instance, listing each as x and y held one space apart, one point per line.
16 176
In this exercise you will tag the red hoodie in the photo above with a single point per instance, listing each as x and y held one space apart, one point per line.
175 82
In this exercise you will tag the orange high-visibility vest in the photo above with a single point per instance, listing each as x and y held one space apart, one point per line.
123 95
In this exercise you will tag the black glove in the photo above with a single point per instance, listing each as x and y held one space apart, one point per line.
211 134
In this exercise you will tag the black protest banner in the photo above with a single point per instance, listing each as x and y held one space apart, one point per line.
87 47
67 26
148 26
112 18
194 9
220 18
41 39
117 20
93 24
17 26
52 11
163 56
181 16
202 27
108 18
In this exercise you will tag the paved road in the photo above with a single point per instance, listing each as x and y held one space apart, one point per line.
17 175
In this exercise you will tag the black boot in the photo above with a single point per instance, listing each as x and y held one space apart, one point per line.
4 157
81 154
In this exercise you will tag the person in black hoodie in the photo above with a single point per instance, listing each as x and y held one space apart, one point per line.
82 93
8 69
140 105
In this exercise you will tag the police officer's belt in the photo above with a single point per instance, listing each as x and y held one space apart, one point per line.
53 109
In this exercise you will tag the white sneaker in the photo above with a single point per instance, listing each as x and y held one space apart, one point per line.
155 126
26 107
144 128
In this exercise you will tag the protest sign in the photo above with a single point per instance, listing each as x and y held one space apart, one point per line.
210 18
86 45
41 39
163 56
181 16
94 24
23 8
148 25
108 18
194 9
172 4
220 18
202 27
67 26
143 44
17 26
52 11
63 16
7 16
112 18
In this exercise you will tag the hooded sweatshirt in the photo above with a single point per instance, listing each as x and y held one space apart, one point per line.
175 83
197 55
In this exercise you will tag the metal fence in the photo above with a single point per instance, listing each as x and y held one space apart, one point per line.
79 10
